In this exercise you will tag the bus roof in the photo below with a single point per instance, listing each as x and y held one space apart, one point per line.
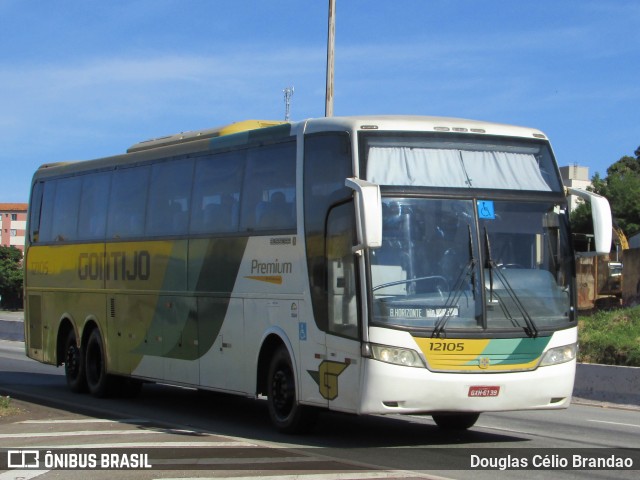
421 124
249 131
202 134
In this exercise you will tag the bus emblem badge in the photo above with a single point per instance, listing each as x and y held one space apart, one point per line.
484 362
327 377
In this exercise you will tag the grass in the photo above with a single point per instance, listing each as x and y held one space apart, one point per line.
610 337
6 408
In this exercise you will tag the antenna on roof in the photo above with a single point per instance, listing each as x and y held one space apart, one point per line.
288 93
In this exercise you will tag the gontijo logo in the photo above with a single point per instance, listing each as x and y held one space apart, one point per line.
122 265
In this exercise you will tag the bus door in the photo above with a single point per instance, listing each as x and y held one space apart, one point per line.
341 371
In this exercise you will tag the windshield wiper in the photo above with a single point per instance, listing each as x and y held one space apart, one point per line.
456 292
531 329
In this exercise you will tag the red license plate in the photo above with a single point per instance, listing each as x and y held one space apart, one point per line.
484 391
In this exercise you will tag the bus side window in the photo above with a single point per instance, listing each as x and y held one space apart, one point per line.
34 212
127 203
275 214
169 196
216 191
92 218
268 199
65 209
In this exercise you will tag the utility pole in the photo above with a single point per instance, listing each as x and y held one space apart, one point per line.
331 37
288 93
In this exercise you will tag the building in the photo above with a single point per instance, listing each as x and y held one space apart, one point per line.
575 176
14 224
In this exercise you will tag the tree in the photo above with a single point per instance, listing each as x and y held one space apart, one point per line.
623 193
11 277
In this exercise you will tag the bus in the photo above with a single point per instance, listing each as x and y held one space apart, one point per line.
370 265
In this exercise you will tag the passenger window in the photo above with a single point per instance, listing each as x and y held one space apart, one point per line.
127 202
65 210
169 195
46 217
216 193
35 207
92 219
269 192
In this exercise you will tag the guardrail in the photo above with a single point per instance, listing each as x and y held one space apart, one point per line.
608 383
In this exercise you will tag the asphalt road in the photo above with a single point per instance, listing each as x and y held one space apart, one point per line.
196 434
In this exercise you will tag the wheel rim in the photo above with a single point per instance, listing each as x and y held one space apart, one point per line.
283 395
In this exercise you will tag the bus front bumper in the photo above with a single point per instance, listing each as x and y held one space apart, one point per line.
396 389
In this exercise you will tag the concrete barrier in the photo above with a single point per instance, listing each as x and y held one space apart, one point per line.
607 383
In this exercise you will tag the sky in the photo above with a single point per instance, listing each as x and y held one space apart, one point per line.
83 79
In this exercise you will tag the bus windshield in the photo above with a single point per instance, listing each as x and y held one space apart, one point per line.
472 264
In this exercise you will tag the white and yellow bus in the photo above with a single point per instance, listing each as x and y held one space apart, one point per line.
372 265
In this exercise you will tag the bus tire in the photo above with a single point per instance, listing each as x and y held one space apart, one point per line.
286 414
74 367
95 366
455 420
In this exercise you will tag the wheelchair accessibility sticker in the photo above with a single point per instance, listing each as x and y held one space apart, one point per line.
485 210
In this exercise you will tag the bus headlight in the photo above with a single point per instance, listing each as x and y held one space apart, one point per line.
557 355
395 355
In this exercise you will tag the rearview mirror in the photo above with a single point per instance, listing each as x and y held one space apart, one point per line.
369 211
601 214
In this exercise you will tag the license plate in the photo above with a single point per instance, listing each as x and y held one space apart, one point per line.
484 391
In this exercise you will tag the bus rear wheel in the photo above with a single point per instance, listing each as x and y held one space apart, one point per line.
74 370
95 366
455 421
286 414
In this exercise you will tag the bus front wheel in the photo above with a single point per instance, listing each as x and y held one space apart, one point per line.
286 414
74 370
455 421
95 366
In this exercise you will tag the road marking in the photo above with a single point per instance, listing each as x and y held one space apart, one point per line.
234 461
88 420
615 423
84 433
29 474
147 430
316 476
22 474
147 445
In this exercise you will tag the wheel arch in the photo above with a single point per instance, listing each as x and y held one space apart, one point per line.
89 326
271 341
64 327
